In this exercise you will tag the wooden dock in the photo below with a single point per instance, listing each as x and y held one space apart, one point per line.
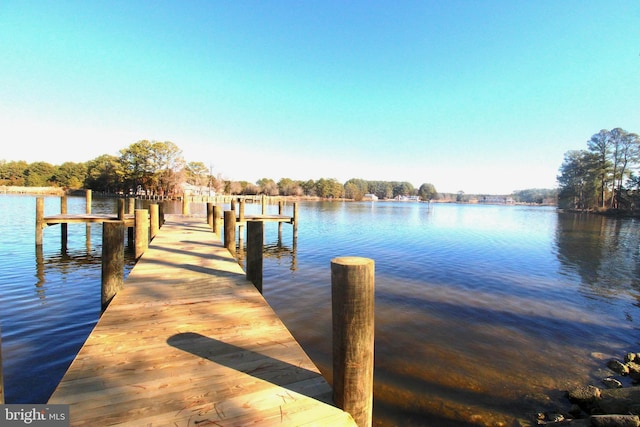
189 341
84 218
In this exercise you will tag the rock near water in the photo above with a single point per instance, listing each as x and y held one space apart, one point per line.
613 406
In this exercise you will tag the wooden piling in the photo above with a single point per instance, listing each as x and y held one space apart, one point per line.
264 204
217 214
210 213
39 220
295 222
121 209
88 205
241 220
141 232
112 260
131 205
352 303
280 212
64 229
255 243
241 210
230 231
154 218
185 205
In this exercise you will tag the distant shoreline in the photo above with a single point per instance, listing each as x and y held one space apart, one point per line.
54 191
57 191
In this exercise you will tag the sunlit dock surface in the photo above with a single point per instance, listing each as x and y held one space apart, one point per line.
189 341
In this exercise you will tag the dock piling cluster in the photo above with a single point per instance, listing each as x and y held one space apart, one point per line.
352 282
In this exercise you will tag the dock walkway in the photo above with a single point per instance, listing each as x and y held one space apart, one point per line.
190 342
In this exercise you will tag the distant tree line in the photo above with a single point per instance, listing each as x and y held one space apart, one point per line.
159 168
536 196
604 175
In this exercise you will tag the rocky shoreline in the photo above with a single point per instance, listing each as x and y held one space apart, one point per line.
613 404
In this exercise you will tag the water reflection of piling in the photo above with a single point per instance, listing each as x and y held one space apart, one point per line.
255 245
241 220
39 266
63 227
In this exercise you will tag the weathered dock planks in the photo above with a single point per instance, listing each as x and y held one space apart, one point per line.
189 341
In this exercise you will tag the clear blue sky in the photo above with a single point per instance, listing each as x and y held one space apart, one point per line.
478 96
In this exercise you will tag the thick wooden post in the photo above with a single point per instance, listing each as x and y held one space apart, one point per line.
64 229
88 196
161 213
39 220
217 214
255 243
112 260
142 232
241 210
280 212
264 204
154 218
230 231
210 213
241 225
131 205
352 303
295 222
121 209
185 205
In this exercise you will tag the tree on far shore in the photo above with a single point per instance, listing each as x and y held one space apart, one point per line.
593 178
427 192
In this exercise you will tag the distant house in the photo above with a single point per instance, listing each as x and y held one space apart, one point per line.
369 197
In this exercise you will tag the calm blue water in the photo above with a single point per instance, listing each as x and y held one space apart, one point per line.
484 314
49 300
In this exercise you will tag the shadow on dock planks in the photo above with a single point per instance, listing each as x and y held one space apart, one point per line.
189 341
